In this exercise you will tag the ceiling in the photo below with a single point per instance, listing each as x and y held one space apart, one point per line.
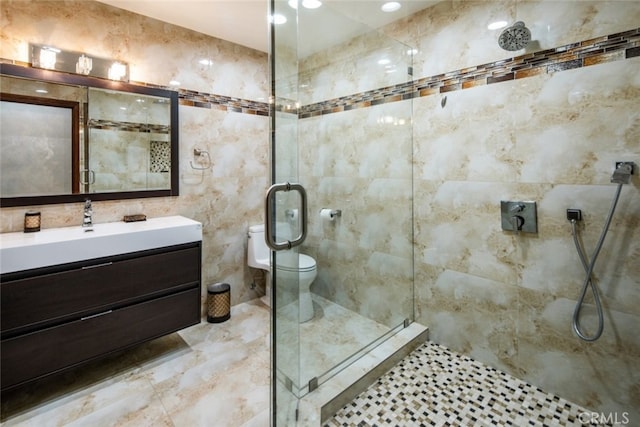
245 21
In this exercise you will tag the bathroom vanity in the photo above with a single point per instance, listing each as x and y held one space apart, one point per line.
70 296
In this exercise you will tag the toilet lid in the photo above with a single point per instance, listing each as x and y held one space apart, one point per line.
305 263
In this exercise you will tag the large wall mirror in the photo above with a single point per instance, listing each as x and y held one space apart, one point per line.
65 138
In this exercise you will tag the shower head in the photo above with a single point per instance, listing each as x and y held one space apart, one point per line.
515 37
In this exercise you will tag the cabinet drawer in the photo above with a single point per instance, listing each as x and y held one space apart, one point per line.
53 298
52 349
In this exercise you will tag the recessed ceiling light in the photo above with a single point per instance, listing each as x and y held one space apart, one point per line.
174 83
293 4
278 19
497 25
384 61
311 4
206 62
391 6
42 91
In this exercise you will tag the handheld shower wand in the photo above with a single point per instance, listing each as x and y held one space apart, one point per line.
621 175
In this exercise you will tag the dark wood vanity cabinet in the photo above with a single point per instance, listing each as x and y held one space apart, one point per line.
58 317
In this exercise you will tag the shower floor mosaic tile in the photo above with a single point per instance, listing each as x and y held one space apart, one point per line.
434 386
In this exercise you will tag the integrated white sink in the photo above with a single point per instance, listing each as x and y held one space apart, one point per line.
22 251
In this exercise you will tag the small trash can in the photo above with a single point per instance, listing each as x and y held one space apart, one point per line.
218 302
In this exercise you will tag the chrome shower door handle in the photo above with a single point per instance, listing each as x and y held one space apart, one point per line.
91 177
269 217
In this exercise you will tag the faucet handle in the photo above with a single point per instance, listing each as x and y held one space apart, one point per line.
517 222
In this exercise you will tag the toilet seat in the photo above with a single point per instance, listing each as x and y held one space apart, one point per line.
305 264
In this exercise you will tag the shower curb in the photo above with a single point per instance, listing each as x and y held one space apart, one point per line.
321 404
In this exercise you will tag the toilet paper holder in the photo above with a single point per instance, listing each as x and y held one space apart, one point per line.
333 213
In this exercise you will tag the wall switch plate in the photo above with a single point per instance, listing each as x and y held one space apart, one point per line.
519 216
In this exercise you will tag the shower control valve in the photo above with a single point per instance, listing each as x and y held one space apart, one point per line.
519 216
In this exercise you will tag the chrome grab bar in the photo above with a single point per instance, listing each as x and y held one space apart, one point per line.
269 219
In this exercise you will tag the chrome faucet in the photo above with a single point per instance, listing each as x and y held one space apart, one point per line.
87 219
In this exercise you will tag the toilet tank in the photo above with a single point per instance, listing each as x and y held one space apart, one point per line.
258 254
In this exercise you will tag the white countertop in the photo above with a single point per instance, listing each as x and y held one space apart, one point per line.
23 251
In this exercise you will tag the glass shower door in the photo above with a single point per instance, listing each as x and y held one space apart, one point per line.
285 331
338 130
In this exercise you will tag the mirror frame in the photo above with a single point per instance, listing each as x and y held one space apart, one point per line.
80 80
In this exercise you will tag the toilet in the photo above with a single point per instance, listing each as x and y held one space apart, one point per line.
259 256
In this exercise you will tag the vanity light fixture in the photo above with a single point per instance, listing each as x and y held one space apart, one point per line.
84 65
117 71
391 6
53 58
48 57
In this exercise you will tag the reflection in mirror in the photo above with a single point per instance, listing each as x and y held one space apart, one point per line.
80 135
36 131
128 142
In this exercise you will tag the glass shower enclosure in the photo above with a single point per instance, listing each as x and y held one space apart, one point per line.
340 212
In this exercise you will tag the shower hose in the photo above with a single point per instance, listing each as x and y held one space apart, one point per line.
588 268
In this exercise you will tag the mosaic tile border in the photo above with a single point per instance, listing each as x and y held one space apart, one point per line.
609 48
128 126
613 47
225 103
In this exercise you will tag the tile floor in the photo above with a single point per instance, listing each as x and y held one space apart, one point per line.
434 386
205 375
343 333
218 375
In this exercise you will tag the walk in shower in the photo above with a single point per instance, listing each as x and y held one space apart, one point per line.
352 153
477 124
